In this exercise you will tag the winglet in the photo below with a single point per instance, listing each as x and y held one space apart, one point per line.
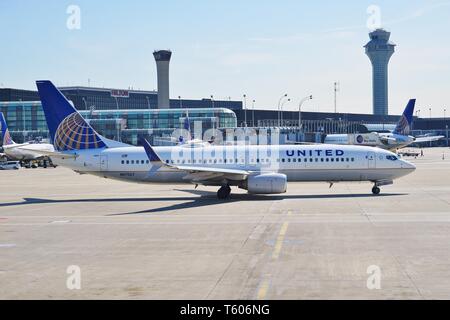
151 154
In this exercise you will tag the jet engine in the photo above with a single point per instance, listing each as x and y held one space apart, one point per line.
266 183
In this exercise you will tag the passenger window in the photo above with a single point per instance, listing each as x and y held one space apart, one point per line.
321 159
283 160
132 161
353 159
327 159
316 159
148 161
123 162
310 160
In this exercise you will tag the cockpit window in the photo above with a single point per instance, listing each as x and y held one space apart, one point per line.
392 158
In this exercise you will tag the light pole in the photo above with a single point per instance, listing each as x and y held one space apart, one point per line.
181 103
446 125
85 104
430 112
253 113
300 110
245 110
148 101
284 102
212 101
336 90
279 102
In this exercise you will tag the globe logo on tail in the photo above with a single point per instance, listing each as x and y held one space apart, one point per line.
402 126
7 138
74 133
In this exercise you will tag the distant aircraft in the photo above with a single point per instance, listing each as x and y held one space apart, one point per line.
182 141
23 151
82 149
397 139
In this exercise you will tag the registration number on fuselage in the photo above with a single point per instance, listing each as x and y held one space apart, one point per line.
127 174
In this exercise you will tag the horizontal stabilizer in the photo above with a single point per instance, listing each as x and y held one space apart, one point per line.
428 139
51 154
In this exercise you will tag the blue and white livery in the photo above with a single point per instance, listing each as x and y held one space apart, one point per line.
260 169
397 139
23 151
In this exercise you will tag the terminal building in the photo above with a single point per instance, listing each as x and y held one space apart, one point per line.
26 121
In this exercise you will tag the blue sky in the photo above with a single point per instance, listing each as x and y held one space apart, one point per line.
228 48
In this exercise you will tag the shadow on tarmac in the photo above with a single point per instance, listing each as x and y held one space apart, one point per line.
199 199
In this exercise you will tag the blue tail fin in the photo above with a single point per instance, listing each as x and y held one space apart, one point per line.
186 126
5 132
187 123
68 130
405 123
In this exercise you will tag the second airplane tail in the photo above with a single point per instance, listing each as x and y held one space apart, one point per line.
405 123
7 140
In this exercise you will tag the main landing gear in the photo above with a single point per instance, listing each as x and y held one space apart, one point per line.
376 190
224 192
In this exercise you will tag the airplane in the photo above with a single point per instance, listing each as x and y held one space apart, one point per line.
397 139
79 147
189 141
21 151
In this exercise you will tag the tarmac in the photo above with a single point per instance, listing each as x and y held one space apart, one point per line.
70 236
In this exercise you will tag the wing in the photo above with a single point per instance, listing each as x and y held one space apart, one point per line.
428 139
198 174
59 155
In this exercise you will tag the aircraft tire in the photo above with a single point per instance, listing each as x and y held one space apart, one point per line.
376 190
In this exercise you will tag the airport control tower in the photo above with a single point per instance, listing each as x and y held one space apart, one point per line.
380 49
162 58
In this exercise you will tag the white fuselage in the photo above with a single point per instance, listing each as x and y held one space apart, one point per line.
388 141
330 163
27 151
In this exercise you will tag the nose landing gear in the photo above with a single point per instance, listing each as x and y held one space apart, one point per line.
224 192
376 190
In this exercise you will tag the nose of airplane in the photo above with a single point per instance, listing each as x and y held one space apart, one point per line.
408 165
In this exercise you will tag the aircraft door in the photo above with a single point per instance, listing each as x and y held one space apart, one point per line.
371 160
103 163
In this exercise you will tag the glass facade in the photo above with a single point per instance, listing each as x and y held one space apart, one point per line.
128 125
26 121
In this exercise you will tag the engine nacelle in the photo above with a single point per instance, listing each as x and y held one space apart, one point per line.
266 183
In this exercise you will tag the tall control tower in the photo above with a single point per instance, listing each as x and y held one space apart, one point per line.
380 49
162 58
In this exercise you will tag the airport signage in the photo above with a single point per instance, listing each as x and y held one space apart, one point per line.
120 93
